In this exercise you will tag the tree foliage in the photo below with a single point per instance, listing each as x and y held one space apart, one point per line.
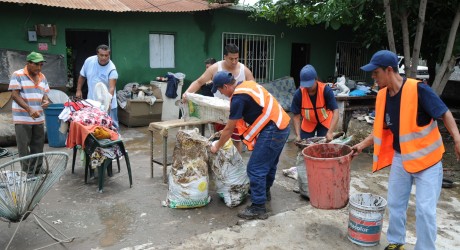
361 16
416 31
223 1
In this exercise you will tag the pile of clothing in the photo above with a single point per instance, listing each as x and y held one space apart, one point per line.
81 117
137 92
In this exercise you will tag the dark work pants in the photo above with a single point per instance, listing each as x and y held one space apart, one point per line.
264 159
30 139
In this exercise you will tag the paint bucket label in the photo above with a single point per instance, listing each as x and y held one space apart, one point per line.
364 232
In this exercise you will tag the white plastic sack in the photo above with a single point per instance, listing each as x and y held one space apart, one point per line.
188 179
57 96
103 95
232 181
189 194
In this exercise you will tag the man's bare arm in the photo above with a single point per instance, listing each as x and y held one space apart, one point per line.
334 122
81 80
248 74
112 86
203 79
23 104
358 148
451 126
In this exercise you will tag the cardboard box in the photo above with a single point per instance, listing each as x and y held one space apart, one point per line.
138 113
45 30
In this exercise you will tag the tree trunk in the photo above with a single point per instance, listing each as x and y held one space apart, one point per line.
448 61
406 42
418 38
390 34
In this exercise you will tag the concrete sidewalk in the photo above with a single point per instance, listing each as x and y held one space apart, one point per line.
133 218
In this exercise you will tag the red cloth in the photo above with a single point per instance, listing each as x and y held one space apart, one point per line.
78 133
235 136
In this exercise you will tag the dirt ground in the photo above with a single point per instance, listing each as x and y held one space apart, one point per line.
133 218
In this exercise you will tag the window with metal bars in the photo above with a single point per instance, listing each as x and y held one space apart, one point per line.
349 58
257 52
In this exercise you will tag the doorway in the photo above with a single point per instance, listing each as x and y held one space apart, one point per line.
300 56
80 45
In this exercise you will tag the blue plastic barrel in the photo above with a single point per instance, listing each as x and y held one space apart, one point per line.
56 139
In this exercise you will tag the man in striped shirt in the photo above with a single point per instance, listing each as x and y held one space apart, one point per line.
29 91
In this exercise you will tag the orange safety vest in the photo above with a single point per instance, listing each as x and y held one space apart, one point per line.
271 111
308 112
421 147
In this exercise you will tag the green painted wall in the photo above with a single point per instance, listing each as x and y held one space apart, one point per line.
198 36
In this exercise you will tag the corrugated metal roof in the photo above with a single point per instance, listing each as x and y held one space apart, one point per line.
126 5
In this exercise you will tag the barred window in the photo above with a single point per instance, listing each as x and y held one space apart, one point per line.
349 58
257 52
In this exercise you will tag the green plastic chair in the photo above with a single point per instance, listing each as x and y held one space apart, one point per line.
91 143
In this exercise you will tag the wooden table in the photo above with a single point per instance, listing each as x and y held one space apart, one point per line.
348 104
163 128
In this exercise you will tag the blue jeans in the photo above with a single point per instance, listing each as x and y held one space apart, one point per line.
427 190
264 160
114 115
320 130
302 179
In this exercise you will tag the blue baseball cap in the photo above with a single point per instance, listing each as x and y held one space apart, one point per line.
382 58
307 76
221 78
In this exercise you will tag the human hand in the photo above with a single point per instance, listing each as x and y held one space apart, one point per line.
457 150
45 103
214 149
184 97
78 94
34 113
297 139
329 136
357 149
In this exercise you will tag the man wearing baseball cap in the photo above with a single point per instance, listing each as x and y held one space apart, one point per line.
406 136
263 126
315 114
29 89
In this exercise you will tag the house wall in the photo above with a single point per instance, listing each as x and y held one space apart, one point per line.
198 36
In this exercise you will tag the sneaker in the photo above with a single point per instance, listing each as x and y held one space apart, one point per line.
253 212
395 247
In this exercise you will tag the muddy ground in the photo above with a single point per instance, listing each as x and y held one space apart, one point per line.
133 218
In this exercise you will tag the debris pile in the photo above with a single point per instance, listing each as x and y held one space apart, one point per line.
188 180
230 171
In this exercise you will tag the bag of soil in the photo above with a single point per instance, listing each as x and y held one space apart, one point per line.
188 179
232 181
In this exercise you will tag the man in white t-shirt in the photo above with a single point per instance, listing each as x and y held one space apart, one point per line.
230 64
99 68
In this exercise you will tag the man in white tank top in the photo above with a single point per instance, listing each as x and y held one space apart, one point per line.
230 64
